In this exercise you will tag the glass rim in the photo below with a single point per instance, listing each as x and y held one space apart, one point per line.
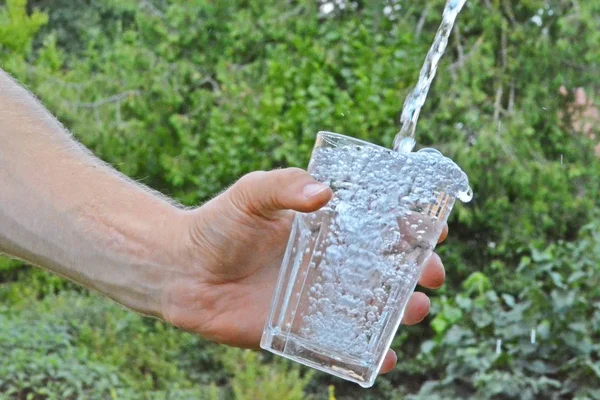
327 134
337 139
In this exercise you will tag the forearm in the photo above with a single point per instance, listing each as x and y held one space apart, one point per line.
64 210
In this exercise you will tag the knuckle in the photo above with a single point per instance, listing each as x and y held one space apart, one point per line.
251 178
242 194
294 173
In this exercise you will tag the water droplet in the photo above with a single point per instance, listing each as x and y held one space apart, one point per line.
465 196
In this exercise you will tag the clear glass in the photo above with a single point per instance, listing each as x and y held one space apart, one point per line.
350 268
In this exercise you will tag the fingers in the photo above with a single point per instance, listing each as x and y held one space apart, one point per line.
433 275
444 234
266 193
389 362
416 309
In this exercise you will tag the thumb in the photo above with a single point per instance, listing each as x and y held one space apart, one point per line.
266 193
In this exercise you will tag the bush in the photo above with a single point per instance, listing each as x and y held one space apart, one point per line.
38 362
187 96
558 305
254 380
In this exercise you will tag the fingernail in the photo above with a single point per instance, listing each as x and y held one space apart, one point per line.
313 189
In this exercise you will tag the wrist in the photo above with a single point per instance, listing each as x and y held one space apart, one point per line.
139 249
157 257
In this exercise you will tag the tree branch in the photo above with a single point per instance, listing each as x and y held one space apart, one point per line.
500 90
509 12
421 22
459 47
152 9
511 98
214 84
498 103
111 99
460 62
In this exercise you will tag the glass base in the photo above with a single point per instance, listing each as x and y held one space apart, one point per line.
300 350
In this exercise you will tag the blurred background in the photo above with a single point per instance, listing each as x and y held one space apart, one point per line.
187 96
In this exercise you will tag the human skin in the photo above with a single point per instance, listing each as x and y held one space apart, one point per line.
210 270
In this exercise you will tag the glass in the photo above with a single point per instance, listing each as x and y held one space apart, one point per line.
350 268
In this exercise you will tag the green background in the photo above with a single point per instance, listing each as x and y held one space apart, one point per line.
187 96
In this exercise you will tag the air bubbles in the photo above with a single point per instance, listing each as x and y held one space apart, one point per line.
365 246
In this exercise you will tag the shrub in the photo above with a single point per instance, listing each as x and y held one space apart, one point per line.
187 96
39 362
251 379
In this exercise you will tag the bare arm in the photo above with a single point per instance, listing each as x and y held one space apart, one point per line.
65 210
210 270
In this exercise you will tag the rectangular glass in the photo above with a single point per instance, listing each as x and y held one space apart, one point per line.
350 268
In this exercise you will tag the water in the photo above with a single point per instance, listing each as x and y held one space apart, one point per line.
405 139
374 243
353 265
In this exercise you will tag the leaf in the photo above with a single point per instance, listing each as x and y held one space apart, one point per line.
594 367
508 299
439 324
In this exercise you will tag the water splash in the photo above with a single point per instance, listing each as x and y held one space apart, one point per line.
498 346
533 332
404 141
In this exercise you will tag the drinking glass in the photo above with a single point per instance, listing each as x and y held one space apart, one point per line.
351 267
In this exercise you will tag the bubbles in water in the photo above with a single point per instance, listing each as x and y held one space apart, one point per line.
381 225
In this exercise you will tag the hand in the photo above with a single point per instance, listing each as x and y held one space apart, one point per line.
235 245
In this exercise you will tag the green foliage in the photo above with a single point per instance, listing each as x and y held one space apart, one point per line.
254 380
17 29
189 95
29 283
76 346
38 362
8 264
559 302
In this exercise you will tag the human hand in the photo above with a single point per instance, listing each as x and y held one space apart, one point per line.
234 248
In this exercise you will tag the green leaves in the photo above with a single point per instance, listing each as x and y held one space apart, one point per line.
548 330
254 380
187 96
18 28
